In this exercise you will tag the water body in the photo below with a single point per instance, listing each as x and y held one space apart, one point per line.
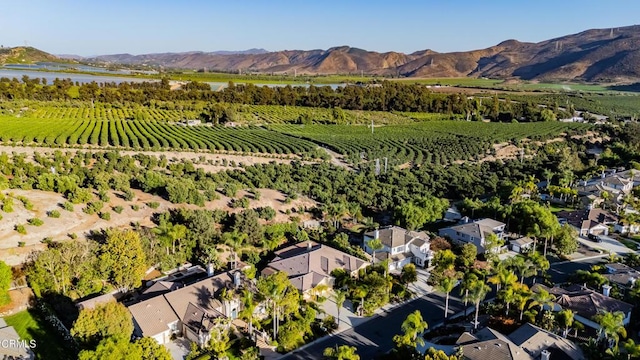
22 70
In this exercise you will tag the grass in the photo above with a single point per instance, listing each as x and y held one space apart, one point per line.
29 326
628 243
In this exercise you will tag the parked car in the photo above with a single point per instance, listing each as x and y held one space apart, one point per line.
595 238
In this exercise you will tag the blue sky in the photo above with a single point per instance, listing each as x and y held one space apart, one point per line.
145 26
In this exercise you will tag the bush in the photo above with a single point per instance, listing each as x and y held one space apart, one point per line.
135 207
118 209
93 207
128 195
20 229
67 206
26 202
35 222
53 214
153 204
21 243
7 205
104 197
73 236
105 215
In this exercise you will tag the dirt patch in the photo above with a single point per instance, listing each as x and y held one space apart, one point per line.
15 248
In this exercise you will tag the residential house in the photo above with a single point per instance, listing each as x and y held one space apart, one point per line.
528 342
588 221
521 245
621 275
617 185
474 232
400 247
586 303
310 264
189 311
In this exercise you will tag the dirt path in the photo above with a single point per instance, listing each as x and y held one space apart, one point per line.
337 159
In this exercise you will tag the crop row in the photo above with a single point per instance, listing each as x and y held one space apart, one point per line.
148 135
439 142
111 114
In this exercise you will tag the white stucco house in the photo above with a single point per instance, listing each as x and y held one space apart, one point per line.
400 247
474 232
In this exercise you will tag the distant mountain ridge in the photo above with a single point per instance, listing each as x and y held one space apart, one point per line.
598 55
606 55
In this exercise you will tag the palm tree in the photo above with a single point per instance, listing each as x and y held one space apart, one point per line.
478 290
522 297
611 326
524 267
508 295
548 175
412 327
235 240
369 224
374 245
446 285
503 278
540 263
339 296
468 280
633 349
343 352
249 307
565 319
541 298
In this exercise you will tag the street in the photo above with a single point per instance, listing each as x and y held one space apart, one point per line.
375 337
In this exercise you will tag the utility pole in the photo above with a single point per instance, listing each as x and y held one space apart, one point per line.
371 127
377 166
385 165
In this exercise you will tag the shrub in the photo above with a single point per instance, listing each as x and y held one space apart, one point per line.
104 197
67 206
53 214
7 205
118 209
135 207
20 229
73 236
26 202
21 243
153 204
128 195
105 215
93 207
35 222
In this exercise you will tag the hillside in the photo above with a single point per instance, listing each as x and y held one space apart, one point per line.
606 55
24 55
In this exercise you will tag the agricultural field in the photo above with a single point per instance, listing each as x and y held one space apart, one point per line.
438 142
146 134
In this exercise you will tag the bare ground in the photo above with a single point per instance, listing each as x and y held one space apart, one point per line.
13 252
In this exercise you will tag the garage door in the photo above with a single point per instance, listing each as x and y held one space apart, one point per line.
598 232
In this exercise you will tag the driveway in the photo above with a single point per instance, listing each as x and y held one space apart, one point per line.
608 244
179 348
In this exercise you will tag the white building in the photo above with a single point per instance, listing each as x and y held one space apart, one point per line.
474 232
400 247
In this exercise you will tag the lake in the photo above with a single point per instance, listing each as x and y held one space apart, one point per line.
85 78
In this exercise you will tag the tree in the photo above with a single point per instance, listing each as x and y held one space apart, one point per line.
220 340
542 298
249 306
491 244
566 240
446 285
503 278
116 349
374 245
416 213
565 320
339 296
524 267
278 292
5 283
409 274
123 260
540 263
342 352
467 256
433 354
235 240
633 349
611 327
467 282
478 290
412 327
109 320
523 294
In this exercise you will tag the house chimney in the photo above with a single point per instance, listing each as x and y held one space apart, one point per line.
210 270
309 245
236 279
376 234
606 290
545 355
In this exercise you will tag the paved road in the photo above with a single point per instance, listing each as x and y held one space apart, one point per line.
560 272
375 337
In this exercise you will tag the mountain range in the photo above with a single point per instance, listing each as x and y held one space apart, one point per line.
597 55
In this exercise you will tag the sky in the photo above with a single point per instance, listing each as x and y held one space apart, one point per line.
93 27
